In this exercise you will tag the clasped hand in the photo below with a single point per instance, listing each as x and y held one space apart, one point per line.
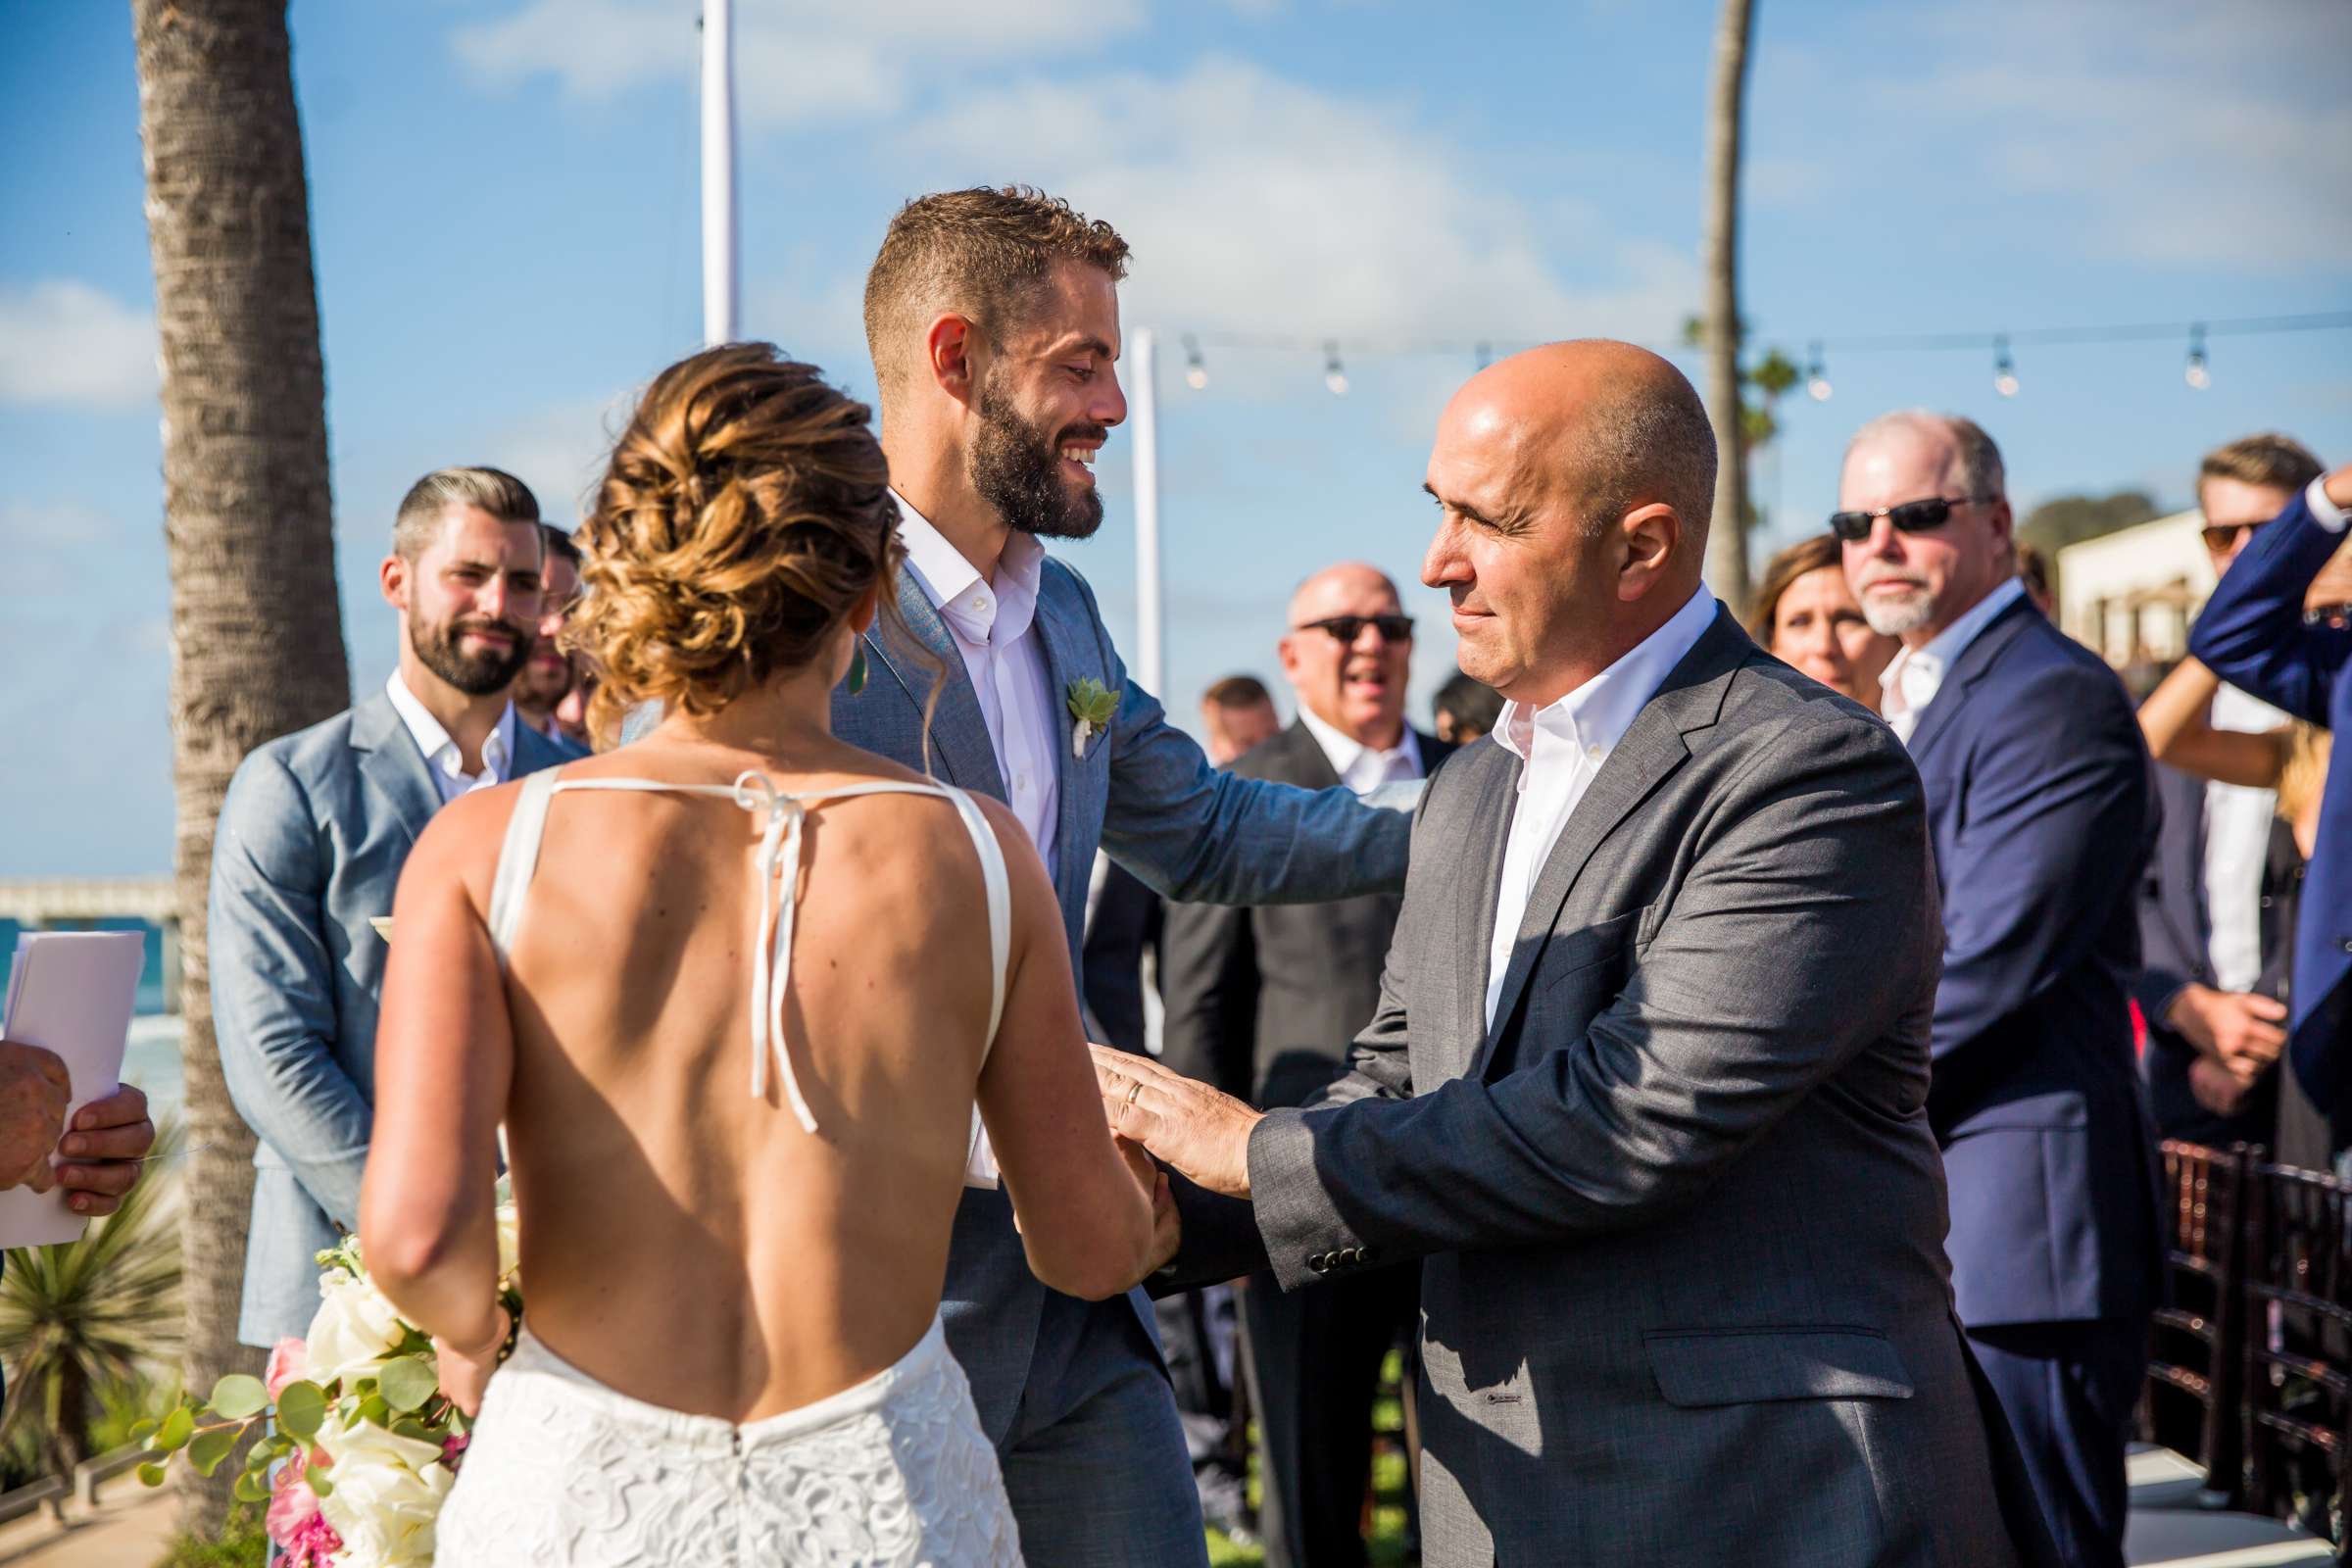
103 1147
1190 1126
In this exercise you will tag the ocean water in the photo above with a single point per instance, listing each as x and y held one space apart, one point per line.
151 1057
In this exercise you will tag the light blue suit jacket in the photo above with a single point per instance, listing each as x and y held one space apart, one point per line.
1142 790
311 841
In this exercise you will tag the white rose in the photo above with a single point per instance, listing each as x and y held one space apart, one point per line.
510 1241
388 1491
356 1328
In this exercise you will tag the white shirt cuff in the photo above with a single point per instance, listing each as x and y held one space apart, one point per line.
2324 511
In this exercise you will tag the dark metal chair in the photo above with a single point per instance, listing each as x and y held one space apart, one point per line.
2196 1365
2298 1347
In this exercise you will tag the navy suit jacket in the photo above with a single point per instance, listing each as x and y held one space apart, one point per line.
2038 799
2252 635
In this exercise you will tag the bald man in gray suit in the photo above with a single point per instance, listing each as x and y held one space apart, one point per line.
1645 1095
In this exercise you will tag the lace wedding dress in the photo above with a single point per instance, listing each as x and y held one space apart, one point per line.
895 1471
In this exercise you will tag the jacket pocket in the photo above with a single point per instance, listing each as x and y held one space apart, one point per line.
1697 1369
1572 952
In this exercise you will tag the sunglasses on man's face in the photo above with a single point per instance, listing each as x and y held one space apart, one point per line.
1909 516
1346 628
2222 537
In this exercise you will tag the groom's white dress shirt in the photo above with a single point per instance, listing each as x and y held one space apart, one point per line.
1913 676
441 755
994 625
1561 748
1361 768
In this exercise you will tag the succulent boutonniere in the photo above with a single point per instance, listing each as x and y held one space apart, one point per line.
1091 704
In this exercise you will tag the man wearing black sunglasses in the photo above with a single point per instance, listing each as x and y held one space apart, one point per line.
2038 800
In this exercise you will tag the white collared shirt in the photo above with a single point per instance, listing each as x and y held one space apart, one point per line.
993 627
1561 748
2237 844
1913 676
2324 511
1360 767
441 755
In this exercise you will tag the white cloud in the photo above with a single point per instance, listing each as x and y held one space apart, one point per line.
1258 202
64 344
793 62
2172 134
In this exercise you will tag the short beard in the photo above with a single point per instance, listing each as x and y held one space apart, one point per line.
475 674
1901 618
1018 472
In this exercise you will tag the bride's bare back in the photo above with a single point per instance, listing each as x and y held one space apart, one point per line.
684 1241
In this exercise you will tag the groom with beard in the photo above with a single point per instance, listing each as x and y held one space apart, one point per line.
992 318
311 841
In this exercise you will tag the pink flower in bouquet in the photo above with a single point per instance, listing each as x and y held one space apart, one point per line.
295 1521
454 1445
289 1363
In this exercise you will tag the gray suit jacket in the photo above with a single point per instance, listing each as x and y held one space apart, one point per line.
1140 790
1680 1211
311 841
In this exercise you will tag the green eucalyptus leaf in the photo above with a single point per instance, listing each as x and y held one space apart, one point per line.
408 1426
151 1474
301 1407
375 1410
408 1383
316 1479
141 1431
250 1487
238 1395
177 1428
210 1446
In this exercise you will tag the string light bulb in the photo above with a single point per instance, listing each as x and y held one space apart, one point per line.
2004 369
1816 379
1195 373
1335 376
2196 374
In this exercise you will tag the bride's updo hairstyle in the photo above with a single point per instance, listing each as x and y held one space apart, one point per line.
746 511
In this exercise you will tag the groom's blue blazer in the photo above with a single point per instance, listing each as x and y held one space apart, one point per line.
1140 790
2252 635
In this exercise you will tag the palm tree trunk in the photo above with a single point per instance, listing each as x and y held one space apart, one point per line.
1727 532
257 637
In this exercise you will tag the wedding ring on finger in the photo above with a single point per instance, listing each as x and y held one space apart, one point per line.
1134 1089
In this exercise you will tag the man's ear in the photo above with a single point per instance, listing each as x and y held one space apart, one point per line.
948 349
392 577
1648 537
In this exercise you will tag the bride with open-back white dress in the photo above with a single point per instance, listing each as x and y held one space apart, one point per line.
733 991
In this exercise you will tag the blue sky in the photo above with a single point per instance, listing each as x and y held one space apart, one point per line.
504 218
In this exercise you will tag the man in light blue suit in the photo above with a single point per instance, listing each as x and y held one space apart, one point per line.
993 317
311 841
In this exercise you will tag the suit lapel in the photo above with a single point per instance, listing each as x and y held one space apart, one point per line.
1977 658
1475 897
958 733
390 762
1077 821
1308 763
1650 752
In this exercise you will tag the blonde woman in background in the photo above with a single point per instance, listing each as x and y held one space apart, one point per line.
1807 617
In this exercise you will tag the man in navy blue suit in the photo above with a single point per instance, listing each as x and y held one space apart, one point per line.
2038 799
2258 633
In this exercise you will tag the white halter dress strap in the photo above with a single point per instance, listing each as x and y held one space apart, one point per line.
778 867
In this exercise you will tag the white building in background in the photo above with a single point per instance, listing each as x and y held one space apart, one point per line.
2131 594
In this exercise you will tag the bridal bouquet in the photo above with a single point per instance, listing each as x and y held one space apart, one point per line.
352 1414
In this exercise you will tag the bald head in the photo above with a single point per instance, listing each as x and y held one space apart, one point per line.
1576 480
1604 427
1342 585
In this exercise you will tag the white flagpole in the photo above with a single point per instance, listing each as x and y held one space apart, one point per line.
719 293
1143 412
